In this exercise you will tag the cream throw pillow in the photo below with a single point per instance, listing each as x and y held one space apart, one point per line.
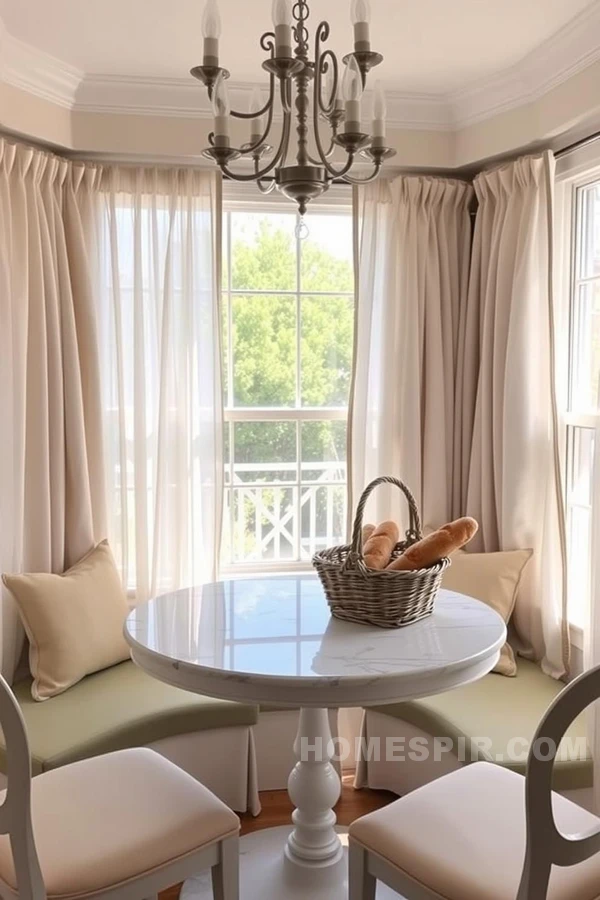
493 578
74 621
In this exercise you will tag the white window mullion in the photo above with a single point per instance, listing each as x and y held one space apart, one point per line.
279 547
287 414
581 252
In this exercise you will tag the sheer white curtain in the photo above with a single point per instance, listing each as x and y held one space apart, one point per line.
161 367
510 474
51 469
592 633
413 267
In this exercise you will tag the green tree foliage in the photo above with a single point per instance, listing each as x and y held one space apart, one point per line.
264 343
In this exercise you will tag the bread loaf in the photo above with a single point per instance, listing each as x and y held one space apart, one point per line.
432 548
367 531
377 550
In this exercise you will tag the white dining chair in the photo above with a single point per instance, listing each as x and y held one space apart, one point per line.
123 826
485 832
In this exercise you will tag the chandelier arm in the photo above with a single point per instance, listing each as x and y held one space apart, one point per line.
286 94
323 157
324 161
267 42
261 112
270 107
328 155
285 137
322 65
266 188
352 180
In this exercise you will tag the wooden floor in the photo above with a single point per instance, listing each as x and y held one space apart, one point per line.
277 809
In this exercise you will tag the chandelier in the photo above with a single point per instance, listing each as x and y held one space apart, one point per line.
293 77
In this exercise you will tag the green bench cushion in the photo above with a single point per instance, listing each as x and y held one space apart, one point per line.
502 709
114 709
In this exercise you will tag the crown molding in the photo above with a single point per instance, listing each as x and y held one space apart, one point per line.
36 72
187 98
562 56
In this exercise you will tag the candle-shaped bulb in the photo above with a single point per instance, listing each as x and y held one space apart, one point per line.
282 12
221 109
361 11
211 20
282 20
352 89
255 106
361 17
352 85
211 29
379 111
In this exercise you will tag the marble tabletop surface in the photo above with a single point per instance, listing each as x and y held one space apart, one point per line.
272 640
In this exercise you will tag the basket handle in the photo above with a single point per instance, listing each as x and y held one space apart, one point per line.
414 532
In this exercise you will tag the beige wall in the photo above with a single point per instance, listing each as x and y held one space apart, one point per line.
30 116
566 109
570 108
173 137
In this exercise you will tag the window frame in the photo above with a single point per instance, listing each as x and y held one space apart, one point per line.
245 198
574 172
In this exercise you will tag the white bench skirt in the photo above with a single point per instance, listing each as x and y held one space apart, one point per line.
222 759
401 774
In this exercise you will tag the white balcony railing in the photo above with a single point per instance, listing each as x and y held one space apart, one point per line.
282 521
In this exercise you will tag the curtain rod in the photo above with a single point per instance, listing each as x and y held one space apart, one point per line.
576 145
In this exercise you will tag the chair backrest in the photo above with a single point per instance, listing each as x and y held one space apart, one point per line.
15 812
546 846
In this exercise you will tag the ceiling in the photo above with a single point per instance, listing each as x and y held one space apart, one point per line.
431 46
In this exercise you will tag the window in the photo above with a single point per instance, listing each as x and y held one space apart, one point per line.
584 392
288 322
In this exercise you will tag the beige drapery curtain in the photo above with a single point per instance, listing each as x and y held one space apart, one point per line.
161 370
508 466
51 469
413 249
454 383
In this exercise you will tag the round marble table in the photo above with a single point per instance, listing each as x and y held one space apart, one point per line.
272 641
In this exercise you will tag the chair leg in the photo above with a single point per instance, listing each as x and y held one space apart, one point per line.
226 874
362 884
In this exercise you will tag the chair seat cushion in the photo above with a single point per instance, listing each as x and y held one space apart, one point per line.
507 711
103 821
114 709
463 836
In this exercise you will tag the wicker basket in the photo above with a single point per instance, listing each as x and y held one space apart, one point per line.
386 598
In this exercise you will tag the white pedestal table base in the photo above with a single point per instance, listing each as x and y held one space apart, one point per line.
309 858
267 874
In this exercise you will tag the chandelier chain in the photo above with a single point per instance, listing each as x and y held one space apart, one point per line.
301 14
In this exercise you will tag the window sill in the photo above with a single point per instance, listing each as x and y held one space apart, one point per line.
265 570
577 635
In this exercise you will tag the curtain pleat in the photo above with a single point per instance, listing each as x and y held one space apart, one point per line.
161 367
454 381
507 459
51 478
413 256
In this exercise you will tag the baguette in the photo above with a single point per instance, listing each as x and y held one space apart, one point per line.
367 531
377 551
435 546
